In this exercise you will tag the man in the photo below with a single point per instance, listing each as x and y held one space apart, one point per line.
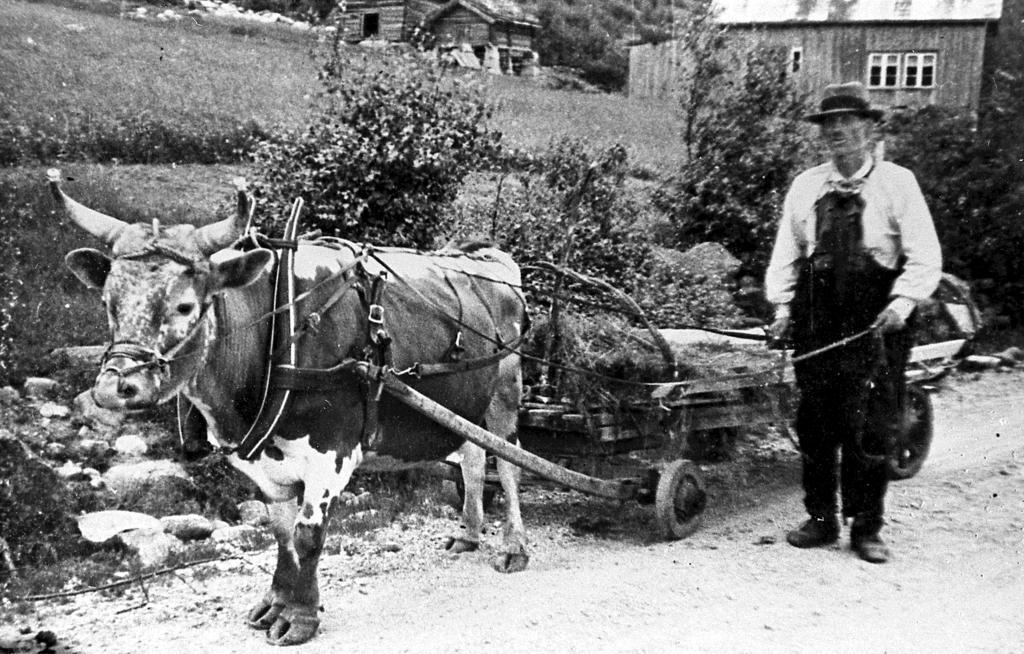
855 252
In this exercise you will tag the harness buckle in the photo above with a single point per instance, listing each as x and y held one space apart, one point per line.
376 314
313 321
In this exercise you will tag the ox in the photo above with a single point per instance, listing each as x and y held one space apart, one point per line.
189 315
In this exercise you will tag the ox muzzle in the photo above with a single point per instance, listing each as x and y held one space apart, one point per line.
131 377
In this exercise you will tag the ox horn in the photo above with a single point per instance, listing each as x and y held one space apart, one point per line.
221 234
102 226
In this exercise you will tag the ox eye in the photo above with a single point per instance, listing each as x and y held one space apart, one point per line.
185 308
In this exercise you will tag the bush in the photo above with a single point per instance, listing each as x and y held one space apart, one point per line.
385 158
587 227
973 187
675 295
747 141
126 138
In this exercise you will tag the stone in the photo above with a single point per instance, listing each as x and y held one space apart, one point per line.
55 450
979 362
85 411
1005 359
234 534
164 495
89 447
70 470
124 475
711 259
79 356
191 526
101 526
40 387
152 546
253 512
131 445
9 396
1011 356
53 410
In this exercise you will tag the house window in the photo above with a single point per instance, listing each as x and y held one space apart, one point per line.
371 25
890 70
796 59
919 70
883 70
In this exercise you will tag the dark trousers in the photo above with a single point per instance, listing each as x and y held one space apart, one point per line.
851 404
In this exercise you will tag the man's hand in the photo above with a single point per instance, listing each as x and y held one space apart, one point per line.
888 321
778 331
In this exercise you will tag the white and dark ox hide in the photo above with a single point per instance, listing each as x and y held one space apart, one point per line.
189 317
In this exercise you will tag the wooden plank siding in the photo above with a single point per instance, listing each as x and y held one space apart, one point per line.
416 12
462 26
391 19
839 52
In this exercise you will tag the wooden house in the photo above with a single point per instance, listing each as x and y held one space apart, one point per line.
909 53
499 33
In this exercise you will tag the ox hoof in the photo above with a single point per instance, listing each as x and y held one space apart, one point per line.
511 562
461 546
264 614
293 629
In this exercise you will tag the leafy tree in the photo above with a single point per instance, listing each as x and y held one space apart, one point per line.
746 140
385 155
592 36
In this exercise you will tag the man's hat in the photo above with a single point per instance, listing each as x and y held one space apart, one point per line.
848 98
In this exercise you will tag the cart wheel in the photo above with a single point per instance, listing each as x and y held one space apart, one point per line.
915 438
680 499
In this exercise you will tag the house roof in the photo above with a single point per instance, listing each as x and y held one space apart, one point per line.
490 10
846 11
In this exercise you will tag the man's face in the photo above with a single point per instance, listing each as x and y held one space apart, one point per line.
845 134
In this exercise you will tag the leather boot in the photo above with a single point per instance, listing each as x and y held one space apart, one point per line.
865 541
815 532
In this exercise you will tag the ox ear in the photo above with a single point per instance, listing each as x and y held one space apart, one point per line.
90 266
240 270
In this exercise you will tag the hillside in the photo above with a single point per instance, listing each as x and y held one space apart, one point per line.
73 72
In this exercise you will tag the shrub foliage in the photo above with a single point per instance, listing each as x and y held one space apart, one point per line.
746 142
385 155
574 212
975 190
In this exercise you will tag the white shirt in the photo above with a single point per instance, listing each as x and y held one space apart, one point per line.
896 221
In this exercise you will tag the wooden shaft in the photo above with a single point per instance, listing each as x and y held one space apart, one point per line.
617 490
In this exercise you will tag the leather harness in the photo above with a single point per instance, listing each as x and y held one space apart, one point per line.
283 380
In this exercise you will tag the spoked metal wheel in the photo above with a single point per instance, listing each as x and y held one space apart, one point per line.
680 499
914 438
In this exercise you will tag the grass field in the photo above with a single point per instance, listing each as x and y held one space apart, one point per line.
56 61
64 69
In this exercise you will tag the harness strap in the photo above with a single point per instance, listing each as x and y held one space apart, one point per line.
450 367
430 303
378 353
275 401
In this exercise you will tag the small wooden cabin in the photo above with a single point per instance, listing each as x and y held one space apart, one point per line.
909 53
499 33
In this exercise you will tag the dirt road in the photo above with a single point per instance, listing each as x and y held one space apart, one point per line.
955 583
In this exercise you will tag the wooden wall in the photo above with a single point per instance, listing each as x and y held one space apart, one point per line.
462 26
392 19
837 53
